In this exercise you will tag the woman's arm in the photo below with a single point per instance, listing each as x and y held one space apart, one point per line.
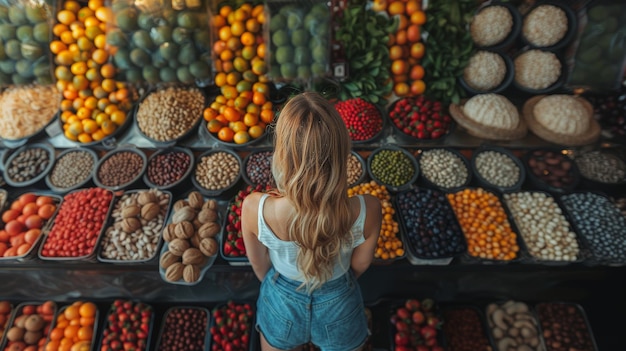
363 254
257 253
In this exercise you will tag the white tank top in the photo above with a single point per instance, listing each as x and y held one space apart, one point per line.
283 254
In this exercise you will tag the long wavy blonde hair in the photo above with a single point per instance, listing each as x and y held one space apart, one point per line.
311 149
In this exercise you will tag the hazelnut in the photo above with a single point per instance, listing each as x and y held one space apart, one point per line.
191 273
178 246
210 204
130 211
195 200
207 215
208 246
180 204
169 232
168 259
130 225
174 272
184 230
150 211
209 230
146 197
193 256
184 214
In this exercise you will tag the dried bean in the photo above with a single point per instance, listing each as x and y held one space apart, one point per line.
545 230
485 225
168 114
217 170
71 169
464 330
600 222
259 168
355 169
184 329
443 168
28 164
497 168
168 168
553 168
431 227
120 168
564 327
392 167
601 167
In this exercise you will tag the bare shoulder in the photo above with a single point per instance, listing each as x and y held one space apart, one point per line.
373 215
251 202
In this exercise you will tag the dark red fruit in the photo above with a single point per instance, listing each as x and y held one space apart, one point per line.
362 118
420 118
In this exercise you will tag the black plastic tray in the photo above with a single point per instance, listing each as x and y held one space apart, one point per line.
128 184
579 310
18 311
208 192
253 342
31 182
394 305
542 185
392 188
107 322
185 176
572 26
555 86
487 341
81 184
506 81
515 30
244 166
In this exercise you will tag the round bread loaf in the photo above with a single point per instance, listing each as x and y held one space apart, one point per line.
492 110
562 114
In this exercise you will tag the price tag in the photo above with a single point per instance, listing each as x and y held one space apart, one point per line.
54 129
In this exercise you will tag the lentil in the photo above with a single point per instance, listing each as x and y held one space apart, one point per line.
71 169
546 232
259 168
552 168
28 164
120 168
431 228
497 168
141 244
168 114
217 170
355 169
392 167
389 245
485 224
443 168
168 168
464 330
564 327
600 222
601 167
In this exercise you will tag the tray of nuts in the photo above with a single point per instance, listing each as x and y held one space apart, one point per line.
497 168
169 115
257 167
216 171
191 240
445 169
72 169
357 169
23 223
133 232
513 324
78 226
120 168
551 170
168 168
29 164
548 235
565 326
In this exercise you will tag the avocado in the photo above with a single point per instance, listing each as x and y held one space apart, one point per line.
150 74
184 75
7 31
24 68
158 60
116 37
134 75
161 34
146 21
187 54
169 50
301 56
304 72
2 53
284 54
181 35
41 68
35 14
127 19
41 33
277 22
31 52
141 39
44 79
24 33
122 59
202 38
19 80
139 57
200 69
12 49
187 19
168 74
288 70
7 66
17 15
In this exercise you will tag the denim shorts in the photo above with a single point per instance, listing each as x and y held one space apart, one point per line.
331 317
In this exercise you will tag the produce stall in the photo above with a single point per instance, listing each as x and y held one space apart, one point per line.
492 133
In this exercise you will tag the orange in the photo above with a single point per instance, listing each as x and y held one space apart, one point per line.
233 78
250 119
230 92
255 132
241 137
237 28
209 114
99 135
108 85
258 98
232 114
78 68
118 117
218 21
413 33
59 28
87 321
85 333
224 33
104 14
95 4
252 25
108 127
417 50
107 70
67 37
71 312
57 46
52 345
248 38
100 56
214 126
401 89
89 126
225 10
66 17
418 17
259 67
100 41
401 37
379 5
220 79
267 116
418 87
70 331
237 126
396 52
396 8
226 55
399 67
417 72
261 50
225 134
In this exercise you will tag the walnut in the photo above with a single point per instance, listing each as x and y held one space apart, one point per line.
130 211
168 259
146 197
209 230
150 211
184 214
210 205
130 225
178 246
195 200
195 241
207 215
180 204
174 272
196 223
208 246
191 273
192 256
169 232
184 230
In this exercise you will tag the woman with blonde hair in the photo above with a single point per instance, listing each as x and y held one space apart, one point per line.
308 241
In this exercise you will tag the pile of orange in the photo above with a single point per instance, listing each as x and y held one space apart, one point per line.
94 104
405 46
389 245
73 328
242 110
